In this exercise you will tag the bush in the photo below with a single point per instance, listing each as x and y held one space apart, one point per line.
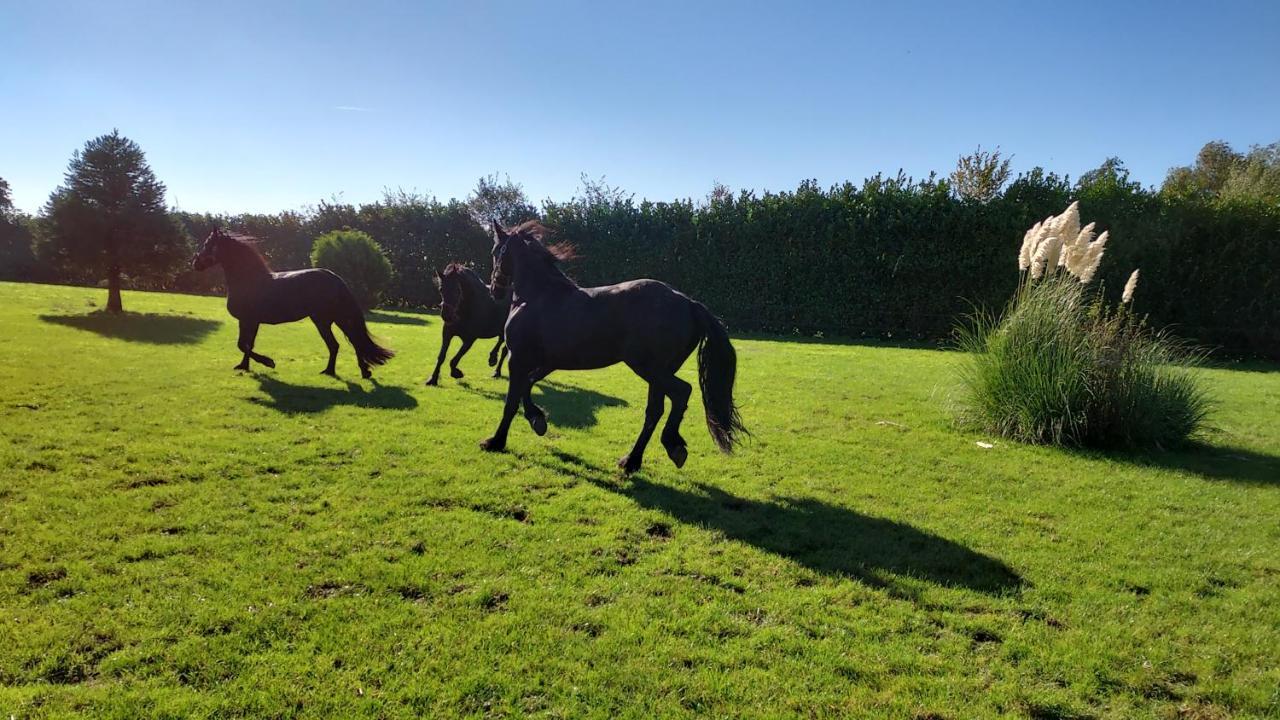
1061 368
358 260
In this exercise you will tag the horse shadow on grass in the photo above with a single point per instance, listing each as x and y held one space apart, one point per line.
405 319
566 406
826 538
302 399
140 327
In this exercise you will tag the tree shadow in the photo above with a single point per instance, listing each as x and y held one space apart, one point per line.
301 399
566 406
140 327
1213 462
384 317
829 539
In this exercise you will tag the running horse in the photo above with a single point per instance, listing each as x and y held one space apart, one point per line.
256 296
556 325
469 312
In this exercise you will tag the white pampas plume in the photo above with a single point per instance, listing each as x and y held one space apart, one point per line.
1038 261
1029 243
1129 287
1054 250
1092 258
1075 249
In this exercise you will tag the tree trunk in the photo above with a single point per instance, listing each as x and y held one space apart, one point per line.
113 290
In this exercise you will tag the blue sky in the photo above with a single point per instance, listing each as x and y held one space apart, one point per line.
264 106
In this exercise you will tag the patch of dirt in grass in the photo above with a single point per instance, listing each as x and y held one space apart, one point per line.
40 578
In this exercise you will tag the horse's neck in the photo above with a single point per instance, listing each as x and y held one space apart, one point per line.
535 279
244 277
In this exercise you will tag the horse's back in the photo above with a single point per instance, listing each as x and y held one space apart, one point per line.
297 294
639 321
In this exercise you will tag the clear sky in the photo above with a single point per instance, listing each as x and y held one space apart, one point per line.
265 106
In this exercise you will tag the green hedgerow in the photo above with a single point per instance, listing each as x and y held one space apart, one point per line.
356 257
1060 366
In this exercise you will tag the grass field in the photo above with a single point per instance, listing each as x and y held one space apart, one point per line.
178 539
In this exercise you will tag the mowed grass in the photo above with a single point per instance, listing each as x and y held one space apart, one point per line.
181 540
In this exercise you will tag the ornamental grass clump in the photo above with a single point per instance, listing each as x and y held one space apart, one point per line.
1060 366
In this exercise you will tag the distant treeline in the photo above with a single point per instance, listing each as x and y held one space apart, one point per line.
892 257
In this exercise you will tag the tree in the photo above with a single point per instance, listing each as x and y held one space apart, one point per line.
1255 177
109 217
1110 175
980 176
502 200
358 260
1206 178
16 259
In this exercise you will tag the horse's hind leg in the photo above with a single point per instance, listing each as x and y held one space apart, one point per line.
652 414
679 392
493 354
447 337
497 367
454 372
325 328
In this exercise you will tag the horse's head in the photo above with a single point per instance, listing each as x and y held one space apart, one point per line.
450 285
502 265
210 252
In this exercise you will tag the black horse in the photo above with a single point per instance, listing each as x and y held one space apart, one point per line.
470 312
556 325
255 296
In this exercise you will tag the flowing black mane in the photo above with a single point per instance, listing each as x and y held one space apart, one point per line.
243 248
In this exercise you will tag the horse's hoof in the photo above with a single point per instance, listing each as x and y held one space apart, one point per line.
366 374
456 374
432 381
493 445
493 360
627 465
539 424
330 372
267 361
242 367
497 375
678 454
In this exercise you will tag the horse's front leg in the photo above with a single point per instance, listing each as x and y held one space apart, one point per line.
517 387
447 337
248 335
535 415
454 372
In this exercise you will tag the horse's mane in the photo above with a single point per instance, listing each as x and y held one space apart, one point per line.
247 247
534 230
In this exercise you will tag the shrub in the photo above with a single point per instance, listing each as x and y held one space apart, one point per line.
358 260
1060 366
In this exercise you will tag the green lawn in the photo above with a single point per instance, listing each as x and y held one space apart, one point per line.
178 539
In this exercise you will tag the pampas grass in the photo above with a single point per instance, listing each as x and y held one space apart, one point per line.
1059 366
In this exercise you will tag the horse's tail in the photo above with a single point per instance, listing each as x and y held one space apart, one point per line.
351 321
717 368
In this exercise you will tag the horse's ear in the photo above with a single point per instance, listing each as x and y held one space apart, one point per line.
498 232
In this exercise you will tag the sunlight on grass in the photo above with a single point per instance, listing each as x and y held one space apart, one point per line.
179 539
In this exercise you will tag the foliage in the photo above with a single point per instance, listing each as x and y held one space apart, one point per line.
1221 173
17 260
358 260
181 540
501 200
980 176
109 218
1057 368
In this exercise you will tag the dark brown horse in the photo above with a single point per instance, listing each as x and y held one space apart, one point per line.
556 325
469 312
257 296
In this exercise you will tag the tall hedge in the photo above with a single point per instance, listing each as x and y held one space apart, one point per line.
889 257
